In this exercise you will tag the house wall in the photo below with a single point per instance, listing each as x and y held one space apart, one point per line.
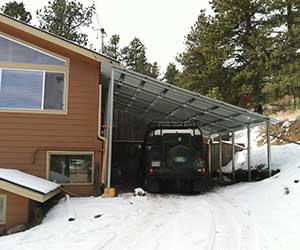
17 210
22 133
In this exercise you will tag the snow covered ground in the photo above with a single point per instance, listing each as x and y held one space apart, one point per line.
151 222
248 216
283 156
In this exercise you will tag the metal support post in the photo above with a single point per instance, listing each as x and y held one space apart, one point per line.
249 152
268 147
209 156
109 127
232 155
220 157
106 121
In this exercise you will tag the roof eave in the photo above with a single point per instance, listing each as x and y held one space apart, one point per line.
62 42
26 192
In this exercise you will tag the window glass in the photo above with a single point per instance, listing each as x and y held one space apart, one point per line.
2 215
71 168
21 89
16 53
54 91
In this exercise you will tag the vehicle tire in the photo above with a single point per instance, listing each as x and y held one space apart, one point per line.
180 157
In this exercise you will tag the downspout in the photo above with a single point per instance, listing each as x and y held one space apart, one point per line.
100 137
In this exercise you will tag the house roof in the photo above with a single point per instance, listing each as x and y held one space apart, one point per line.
27 185
60 41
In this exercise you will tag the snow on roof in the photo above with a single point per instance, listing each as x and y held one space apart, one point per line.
28 181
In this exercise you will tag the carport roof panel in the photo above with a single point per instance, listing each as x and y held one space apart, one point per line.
156 100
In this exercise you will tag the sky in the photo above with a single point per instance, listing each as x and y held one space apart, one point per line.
160 24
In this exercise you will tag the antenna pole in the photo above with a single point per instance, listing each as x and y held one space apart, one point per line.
102 39
103 33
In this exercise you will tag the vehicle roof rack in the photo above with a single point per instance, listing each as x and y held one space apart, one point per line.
155 125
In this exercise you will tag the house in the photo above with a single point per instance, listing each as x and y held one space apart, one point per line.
51 93
49 114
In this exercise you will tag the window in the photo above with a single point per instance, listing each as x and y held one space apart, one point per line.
31 89
2 209
30 79
72 168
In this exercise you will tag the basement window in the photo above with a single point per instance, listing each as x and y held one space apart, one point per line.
71 167
2 209
31 79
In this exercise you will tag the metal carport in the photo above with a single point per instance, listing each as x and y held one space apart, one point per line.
151 99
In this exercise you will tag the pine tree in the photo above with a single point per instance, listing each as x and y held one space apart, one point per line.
113 49
172 73
134 58
227 55
17 11
205 60
285 20
153 70
65 18
251 38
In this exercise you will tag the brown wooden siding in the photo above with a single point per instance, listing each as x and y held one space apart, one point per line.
22 133
17 210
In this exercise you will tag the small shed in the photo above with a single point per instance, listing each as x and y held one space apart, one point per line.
19 192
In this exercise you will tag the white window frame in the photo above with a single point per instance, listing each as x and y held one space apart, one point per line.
43 88
38 67
0 80
49 153
4 197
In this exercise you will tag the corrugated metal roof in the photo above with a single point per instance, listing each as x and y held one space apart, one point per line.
152 100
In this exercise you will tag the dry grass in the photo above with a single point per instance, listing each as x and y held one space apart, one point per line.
285 131
287 115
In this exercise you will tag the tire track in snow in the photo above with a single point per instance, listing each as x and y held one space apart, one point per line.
213 231
204 222
234 230
165 222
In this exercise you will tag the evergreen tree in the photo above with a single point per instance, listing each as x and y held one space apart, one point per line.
205 60
153 70
113 49
171 74
228 54
251 38
17 11
134 58
65 18
284 18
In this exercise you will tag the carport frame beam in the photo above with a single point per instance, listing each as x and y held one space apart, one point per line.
233 154
209 155
109 124
220 157
268 147
249 152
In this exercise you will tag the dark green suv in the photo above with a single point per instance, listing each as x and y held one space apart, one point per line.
174 154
